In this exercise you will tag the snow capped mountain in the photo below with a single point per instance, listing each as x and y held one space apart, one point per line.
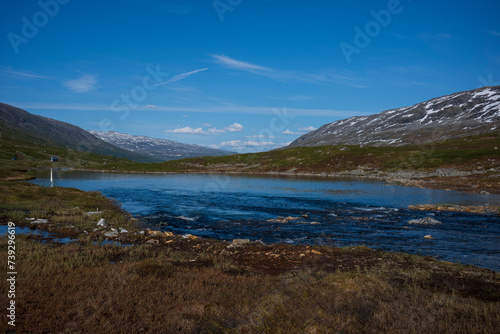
160 149
460 114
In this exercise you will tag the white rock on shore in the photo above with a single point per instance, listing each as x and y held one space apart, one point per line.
40 221
111 234
102 223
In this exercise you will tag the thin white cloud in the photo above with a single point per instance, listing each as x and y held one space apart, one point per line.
343 77
150 106
214 130
236 127
495 33
10 72
237 109
261 136
288 132
307 128
420 83
300 98
410 69
188 130
181 76
83 84
238 64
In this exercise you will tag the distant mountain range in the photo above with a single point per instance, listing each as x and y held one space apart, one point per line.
456 115
39 130
461 114
18 124
159 149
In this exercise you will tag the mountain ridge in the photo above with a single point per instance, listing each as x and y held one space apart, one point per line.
160 149
451 116
42 130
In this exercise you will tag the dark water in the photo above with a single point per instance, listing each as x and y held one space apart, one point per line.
330 211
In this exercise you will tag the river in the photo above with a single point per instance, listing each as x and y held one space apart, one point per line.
328 211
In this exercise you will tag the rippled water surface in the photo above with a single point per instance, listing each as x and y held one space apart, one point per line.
326 211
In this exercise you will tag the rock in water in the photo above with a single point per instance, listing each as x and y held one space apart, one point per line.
102 223
425 221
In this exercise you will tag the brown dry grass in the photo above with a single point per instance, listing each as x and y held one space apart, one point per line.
202 286
141 289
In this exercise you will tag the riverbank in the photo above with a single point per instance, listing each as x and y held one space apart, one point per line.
156 282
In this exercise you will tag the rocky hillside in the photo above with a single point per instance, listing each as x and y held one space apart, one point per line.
159 149
456 115
16 123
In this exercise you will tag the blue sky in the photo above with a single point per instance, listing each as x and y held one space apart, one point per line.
239 75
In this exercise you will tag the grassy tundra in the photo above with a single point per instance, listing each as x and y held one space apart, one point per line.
167 283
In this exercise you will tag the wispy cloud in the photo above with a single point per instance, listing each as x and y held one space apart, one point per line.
83 84
420 83
307 128
150 106
236 109
341 77
239 65
181 76
215 130
298 97
495 33
236 127
261 136
30 75
288 132
189 130
409 69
